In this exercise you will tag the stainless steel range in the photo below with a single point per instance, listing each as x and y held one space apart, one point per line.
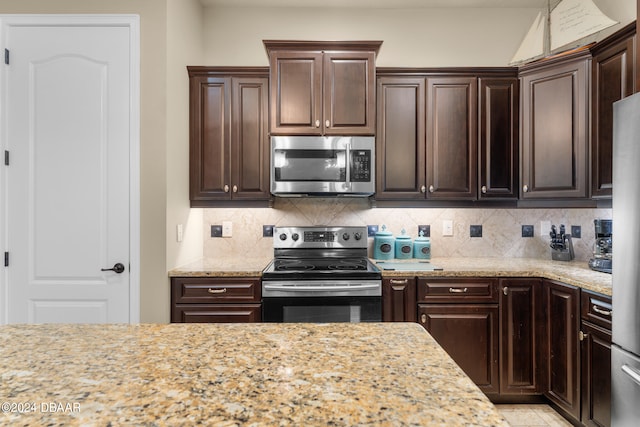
320 275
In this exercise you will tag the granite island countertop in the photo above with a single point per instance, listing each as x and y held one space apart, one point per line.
373 374
575 273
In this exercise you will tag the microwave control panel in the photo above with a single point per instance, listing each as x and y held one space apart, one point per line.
360 165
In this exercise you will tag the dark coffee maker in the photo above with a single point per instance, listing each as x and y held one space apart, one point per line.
602 248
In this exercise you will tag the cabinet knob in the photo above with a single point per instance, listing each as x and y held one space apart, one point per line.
226 188
423 189
317 123
423 318
525 188
327 123
235 188
431 189
582 335
484 189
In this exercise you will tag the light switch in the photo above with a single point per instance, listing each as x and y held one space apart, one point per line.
447 227
179 233
227 228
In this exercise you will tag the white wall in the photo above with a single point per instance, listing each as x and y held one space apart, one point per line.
411 37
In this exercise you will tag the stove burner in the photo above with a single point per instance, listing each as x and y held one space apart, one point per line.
348 265
293 265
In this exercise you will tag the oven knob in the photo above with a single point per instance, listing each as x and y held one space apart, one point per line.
295 237
358 236
345 236
283 236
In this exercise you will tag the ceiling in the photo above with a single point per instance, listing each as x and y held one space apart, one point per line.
380 4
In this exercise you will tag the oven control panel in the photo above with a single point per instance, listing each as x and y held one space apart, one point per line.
320 237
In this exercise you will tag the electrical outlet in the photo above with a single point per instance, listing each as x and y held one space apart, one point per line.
267 230
576 231
545 228
447 227
527 231
227 228
372 230
475 231
179 233
216 231
426 230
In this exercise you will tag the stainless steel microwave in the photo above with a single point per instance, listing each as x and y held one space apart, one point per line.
322 165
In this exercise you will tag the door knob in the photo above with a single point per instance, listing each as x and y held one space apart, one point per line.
118 268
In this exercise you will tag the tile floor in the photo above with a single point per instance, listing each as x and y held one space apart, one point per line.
530 415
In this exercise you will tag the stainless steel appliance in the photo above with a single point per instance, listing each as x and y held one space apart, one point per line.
322 166
602 248
321 275
625 350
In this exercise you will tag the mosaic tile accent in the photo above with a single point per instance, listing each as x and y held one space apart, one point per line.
501 228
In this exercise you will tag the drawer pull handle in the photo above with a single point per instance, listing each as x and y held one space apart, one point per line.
458 290
423 318
217 291
398 282
601 311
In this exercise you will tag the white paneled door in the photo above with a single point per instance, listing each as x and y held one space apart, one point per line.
69 123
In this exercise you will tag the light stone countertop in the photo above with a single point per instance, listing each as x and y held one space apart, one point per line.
575 273
369 374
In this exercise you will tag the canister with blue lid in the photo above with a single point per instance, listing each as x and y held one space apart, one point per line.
404 246
383 244
422 247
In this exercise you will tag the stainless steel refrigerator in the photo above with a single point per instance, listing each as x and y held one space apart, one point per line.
625 351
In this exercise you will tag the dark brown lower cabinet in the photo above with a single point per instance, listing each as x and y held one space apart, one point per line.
215 300
469 333
595 336
399 299
521 323
561 344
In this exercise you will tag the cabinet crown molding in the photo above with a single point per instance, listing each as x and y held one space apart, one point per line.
355 45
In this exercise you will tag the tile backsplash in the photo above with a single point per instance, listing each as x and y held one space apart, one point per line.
501 229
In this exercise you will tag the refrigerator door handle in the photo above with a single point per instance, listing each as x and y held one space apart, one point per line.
634 374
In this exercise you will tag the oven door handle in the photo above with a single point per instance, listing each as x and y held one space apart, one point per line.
293 288
347 162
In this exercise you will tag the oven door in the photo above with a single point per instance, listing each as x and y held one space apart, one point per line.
322 301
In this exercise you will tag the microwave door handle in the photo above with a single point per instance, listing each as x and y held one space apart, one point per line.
347 164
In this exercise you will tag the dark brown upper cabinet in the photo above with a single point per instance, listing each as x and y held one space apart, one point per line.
400 138
555 128
447 135
322 88
451 138
229 145
498 111
613 79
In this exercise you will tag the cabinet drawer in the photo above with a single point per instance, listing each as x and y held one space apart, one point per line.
457 290
596 308
216 313
201 290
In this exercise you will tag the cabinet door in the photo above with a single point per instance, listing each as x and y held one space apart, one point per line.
498 138
400 139
296 93
349 93
554 131
250 142
399 300
612 80
562 308
596 375
469 333
210 132
521 321
452 138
